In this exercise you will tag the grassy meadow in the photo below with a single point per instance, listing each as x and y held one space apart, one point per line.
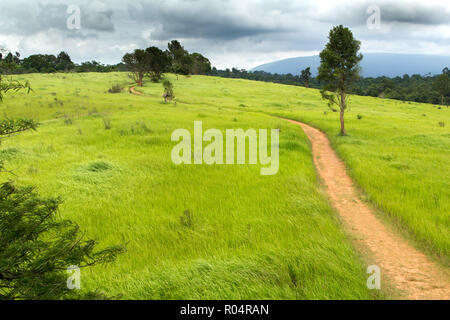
397 152
192 232
225 232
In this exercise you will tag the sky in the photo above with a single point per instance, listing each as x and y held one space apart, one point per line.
231 33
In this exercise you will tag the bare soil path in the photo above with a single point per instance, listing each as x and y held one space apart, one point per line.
133 91
409 270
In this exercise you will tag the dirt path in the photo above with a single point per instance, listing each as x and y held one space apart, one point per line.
414 274
133 91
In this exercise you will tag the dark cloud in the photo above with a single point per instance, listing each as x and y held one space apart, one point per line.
242 33
38 16
410 12
197 19
415 14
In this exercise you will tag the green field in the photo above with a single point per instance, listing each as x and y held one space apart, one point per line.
250 236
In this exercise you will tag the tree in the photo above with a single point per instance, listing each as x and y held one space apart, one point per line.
181 60
9 61
168 91
158 63
63 62
10 126
200 64
339 68
306 75
36 249
442 84
44 63
138 64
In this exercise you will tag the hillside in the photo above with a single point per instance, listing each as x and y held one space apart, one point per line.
373 65
226 232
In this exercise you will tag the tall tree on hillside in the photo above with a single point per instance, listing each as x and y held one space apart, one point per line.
339 68
306 76
137 63
200 64
63 62
181 60
158 63
442 84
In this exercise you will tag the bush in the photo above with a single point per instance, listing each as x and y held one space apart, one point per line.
116 88
107 123
168 91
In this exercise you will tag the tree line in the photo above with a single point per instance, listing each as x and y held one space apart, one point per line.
11 63
416 88
152 62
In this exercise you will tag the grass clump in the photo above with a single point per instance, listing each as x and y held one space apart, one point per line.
98 166
116 88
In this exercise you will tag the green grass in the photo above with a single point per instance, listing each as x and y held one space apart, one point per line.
247 236
398 153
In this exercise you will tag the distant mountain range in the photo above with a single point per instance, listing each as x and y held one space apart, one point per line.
373 64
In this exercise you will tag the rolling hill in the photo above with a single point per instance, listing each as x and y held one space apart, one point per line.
373 64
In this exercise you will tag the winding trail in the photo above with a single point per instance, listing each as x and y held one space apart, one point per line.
133 91
410 271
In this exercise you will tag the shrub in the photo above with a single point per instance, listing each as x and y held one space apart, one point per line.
107 123
168 91
68 121
441 124
116 88
359 117
187 219
98 166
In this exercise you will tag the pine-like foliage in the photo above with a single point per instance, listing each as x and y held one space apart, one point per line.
36 248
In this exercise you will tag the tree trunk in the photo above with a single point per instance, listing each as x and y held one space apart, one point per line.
342 107
442 100
140 80
307 83
343 132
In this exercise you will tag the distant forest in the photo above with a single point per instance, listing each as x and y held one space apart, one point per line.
415 88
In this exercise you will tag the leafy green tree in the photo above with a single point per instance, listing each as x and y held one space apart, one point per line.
43 63
137 63
9 61
63 62
442 84
306 76
200 64
181 60
339 68
168 91
158 63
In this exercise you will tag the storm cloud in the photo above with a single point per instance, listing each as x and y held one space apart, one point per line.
230 32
